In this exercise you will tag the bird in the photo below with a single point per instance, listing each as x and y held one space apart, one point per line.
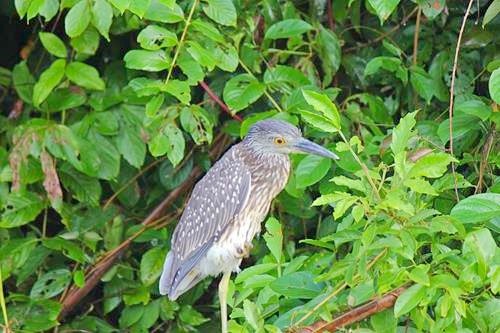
228 204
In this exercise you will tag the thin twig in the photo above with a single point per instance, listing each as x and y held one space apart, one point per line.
452 92
218 101
357 314
181 41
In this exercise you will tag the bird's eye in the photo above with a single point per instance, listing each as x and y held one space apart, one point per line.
279 141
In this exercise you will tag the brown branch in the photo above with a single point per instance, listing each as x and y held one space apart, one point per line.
218 101
75 294
329 14
452 92
415 36
357 314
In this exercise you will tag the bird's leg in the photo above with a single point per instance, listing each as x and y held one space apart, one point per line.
223 286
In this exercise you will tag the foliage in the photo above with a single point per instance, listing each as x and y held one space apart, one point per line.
103 115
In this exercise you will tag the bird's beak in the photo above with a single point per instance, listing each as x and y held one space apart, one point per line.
309 147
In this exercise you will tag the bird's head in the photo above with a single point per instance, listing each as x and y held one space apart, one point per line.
280 137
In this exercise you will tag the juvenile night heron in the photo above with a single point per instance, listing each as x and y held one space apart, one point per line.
227 206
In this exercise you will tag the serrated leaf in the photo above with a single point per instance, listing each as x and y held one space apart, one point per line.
431 166
477 208
323 104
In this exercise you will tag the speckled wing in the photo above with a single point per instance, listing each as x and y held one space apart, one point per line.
216 199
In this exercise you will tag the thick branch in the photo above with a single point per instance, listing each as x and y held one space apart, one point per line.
357 314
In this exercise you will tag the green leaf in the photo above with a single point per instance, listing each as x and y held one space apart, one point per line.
63 99
420 185
77 19
68 248
179 89
423 83
130 315
168 141
87 43
409 299
274 238
196 121
477 208
462 125
139 7
131 146
285 77
82 187
311 170
154 37
297 285
20 209
102 17
482 244
51 284
152 265
151 61
391 64
53 44
318 121
221 11
23 81
161 12
84 75
403 133
491 12
419 275
203 56
241 91
494 85
287 28
329 52
79 278
121 5
226 60
49 79
431 165
323 104
383 8
474 108
253 315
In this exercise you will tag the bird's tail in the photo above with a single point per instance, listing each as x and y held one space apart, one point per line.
174 290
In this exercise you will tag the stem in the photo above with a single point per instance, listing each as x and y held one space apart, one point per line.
363 167
181 41
415 36
452 92
2 304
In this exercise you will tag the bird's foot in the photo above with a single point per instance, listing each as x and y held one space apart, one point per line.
244 252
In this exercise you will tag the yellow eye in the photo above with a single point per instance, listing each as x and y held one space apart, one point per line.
279 141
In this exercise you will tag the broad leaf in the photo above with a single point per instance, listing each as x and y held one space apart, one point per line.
287 28
49 79
84 75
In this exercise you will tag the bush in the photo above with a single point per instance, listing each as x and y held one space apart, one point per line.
111 109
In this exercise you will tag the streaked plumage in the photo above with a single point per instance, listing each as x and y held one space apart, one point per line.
229 203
